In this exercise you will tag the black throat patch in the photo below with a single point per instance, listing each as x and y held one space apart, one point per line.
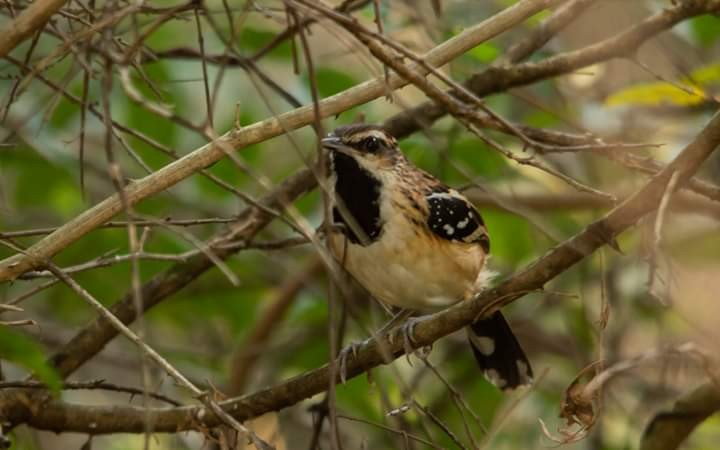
360 194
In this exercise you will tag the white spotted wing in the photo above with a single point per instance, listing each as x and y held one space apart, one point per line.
454 218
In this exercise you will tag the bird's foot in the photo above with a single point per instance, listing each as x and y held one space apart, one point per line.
351 349
408 333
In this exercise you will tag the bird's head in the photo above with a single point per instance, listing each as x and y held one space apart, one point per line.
371 146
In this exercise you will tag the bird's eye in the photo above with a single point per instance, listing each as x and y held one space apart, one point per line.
371 144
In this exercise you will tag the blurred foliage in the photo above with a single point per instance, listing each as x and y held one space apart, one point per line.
706 29
21 350
202 327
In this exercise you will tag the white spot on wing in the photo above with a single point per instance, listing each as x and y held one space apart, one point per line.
523 370
449 229
494 377
463 223
484 344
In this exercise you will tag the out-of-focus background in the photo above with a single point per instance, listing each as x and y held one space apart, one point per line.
261 316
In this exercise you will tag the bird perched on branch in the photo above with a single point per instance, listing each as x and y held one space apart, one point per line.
414 243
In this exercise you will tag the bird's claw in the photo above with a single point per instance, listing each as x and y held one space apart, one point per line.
408 333
352 348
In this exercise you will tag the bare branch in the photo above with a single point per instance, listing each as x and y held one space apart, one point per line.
32 18
669 429
532 278
203 157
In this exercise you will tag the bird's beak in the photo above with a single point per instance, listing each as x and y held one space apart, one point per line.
335 144
331 142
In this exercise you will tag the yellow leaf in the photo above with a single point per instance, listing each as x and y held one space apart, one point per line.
656 94
706 75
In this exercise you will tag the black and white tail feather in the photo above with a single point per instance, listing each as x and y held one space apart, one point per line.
498 353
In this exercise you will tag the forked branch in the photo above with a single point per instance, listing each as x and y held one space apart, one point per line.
61 416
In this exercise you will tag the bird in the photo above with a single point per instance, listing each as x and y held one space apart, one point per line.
413 242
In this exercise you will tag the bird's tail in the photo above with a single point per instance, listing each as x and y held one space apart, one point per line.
498 352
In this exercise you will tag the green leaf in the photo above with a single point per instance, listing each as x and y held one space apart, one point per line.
706 29
23 351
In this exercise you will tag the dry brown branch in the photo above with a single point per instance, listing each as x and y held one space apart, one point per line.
491 80
29 21
669 429
545 31
202 158
89 341
88 385
159 360
496 79
532 278
582 402
345 7
171 283
464 112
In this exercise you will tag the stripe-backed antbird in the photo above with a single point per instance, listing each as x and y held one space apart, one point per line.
413 242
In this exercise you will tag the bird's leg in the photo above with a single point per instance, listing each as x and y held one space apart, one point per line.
408 332
352 348
398 318
407 329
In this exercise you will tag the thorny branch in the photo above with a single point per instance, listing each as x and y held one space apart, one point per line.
531 279
202 158
494 79
505 74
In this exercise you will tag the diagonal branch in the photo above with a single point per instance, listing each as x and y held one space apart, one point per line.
494 79
497 79
93 338
97 334
61 416
212 152
668 429
32 18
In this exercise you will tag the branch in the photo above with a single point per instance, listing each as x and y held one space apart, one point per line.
93 338
578 201
546 30
497 79
212 152
57 415
494 79
567 142
668 429
32 18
